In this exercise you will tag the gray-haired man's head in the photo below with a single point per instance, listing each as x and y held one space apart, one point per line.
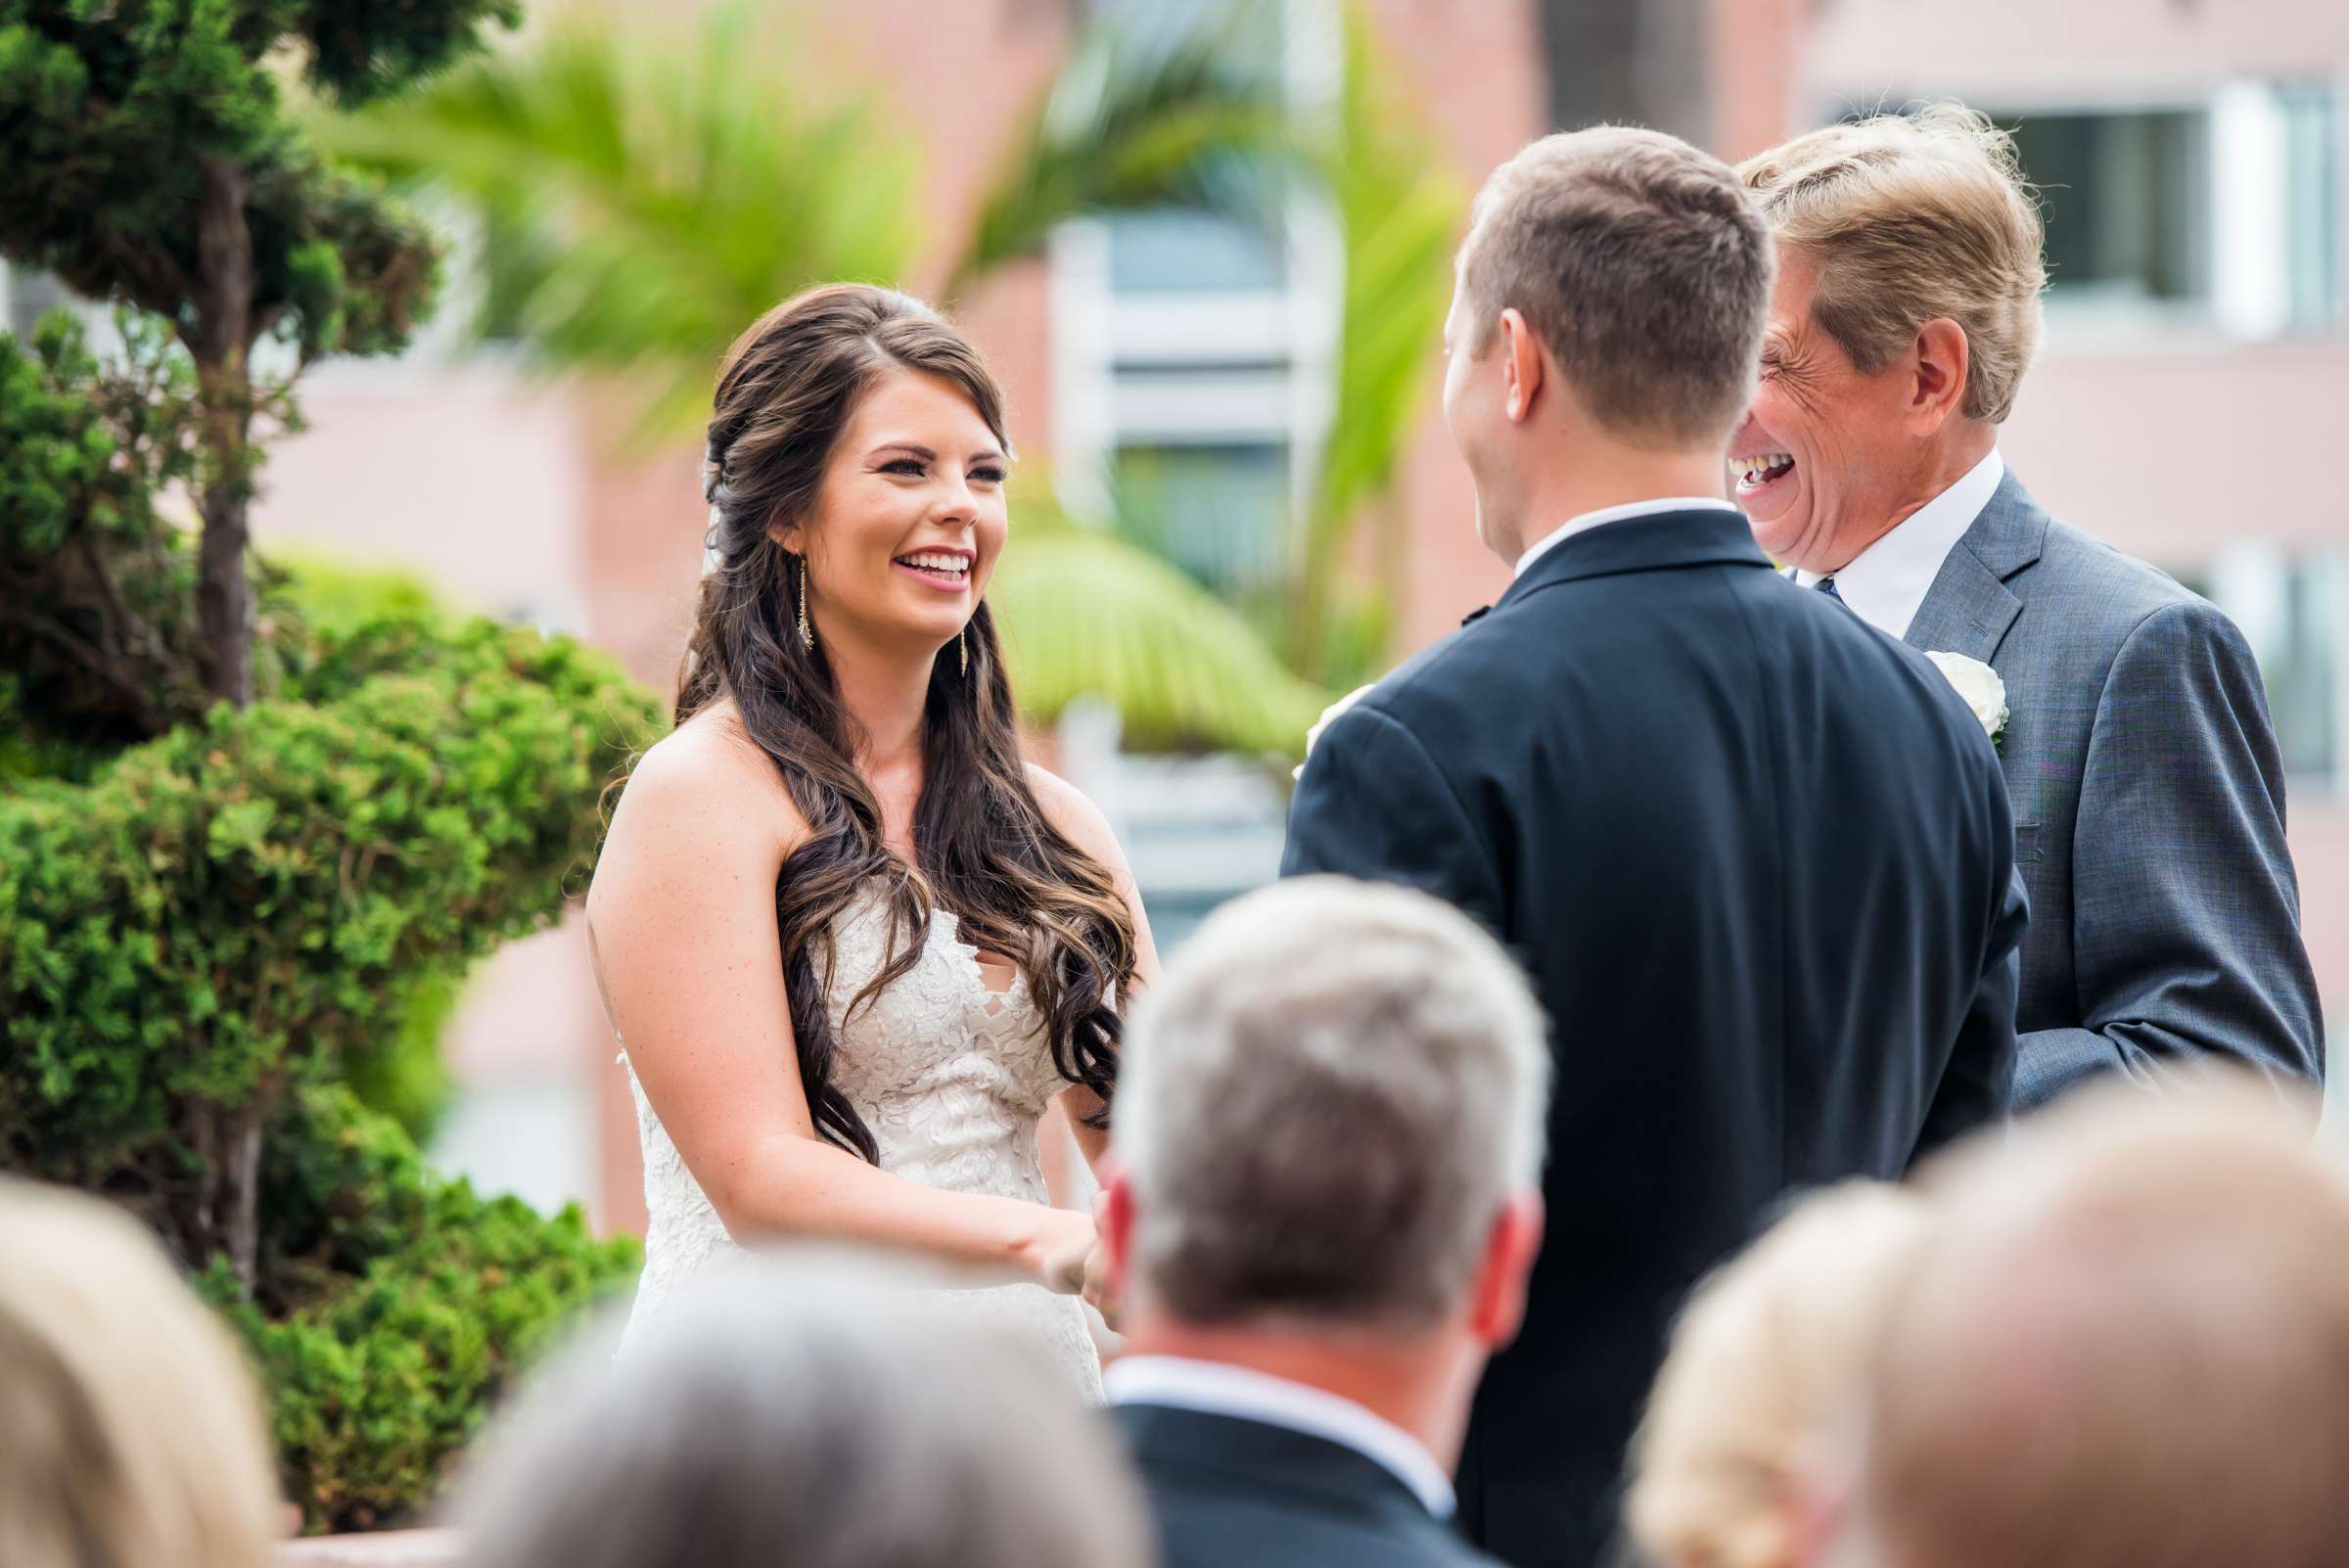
808 1411
1325 1106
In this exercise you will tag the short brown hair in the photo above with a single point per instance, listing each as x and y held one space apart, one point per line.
1910 217
1643 268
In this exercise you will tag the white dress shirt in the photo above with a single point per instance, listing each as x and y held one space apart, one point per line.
1616 514
1886 583
1212 1388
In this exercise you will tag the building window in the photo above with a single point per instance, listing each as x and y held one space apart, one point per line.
1194 352
2221 209
2312 194
2126 200
2291 609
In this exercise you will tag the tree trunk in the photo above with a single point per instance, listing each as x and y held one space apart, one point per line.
221 343
221 1214
239 1183
221 340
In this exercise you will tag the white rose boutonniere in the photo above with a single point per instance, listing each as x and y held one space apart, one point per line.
1329 716
1979 684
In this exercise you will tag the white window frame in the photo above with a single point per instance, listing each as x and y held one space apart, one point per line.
2249 581
2247 214
1293 330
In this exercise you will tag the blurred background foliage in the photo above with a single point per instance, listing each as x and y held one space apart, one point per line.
641 199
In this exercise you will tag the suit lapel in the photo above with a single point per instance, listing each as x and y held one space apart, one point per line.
1969 608
1966 611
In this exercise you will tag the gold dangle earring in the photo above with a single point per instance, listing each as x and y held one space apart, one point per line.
806 631
962 642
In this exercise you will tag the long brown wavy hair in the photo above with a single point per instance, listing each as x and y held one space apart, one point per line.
984 848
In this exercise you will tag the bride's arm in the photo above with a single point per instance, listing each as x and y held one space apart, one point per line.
682 917
1081 821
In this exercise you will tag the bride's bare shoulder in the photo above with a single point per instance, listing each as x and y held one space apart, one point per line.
707 777
1067 809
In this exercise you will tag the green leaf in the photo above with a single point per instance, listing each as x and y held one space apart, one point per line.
644 201
1082 612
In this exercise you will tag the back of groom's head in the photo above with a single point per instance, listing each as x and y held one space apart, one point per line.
1326 1105
1641 265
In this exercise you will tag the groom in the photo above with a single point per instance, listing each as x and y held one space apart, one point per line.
1755 858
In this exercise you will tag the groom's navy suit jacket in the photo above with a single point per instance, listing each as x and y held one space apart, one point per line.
1758 862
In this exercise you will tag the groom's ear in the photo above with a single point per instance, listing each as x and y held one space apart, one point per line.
1941 358
1520 367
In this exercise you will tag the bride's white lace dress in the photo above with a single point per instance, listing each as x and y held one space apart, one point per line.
951 1076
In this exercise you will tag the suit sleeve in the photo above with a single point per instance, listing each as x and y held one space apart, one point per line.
2185 914
1373 804
1977 1088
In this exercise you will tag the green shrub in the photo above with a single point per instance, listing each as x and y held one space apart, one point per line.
254 828
209 920
223 926
426 1302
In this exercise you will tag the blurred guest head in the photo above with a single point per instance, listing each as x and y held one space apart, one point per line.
130 1431
1907 310
1329 1149
782 1413
1764 1365
2127 1348
1604 331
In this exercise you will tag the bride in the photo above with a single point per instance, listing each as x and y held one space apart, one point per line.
852 945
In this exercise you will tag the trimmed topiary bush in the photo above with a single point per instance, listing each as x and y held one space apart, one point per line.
414 1303
215 920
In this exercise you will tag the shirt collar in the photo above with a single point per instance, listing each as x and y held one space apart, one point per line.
1886 583
1214 1388
1615 514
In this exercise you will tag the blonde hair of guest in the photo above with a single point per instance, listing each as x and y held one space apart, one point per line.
130 1430
1764 1365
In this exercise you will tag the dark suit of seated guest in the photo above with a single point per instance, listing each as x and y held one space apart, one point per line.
1320 1217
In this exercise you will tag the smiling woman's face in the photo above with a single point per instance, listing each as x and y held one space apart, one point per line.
1818 461
910 520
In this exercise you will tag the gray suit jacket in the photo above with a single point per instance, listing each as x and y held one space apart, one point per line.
2148 808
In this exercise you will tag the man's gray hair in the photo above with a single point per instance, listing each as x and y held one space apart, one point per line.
1324 1106
779 1412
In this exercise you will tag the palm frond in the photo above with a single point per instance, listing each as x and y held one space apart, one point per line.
1082 612
1134 122
1401 210
645 200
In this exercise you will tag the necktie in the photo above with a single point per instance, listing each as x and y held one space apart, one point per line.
1826 585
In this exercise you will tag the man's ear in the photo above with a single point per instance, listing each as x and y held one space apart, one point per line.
1940 357
1496 1299
1521 366
1113 1224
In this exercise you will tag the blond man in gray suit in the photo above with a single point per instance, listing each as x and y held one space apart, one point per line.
2144 773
